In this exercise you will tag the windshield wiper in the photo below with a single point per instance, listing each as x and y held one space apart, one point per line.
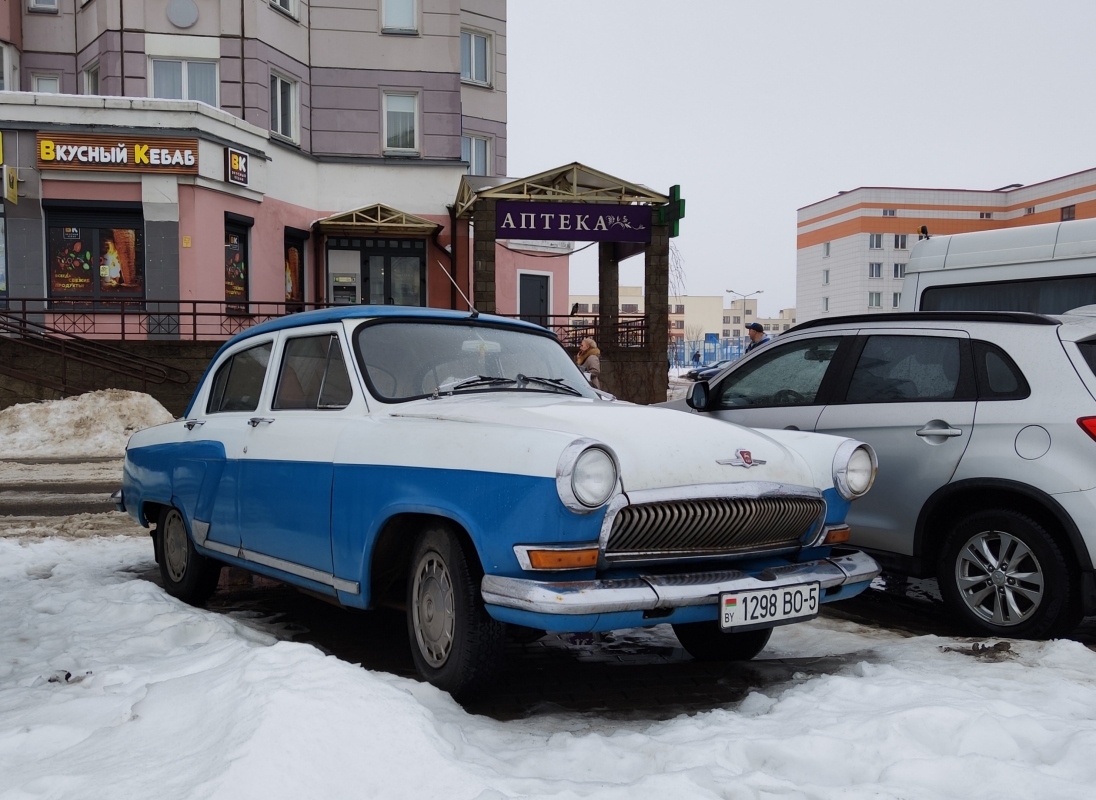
553 383
480 380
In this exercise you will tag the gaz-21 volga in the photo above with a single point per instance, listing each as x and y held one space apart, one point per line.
461 467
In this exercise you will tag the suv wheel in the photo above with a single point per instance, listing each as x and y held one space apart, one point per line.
1006 576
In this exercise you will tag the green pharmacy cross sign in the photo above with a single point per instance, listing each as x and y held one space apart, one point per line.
673 212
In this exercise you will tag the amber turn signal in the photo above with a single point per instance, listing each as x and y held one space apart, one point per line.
563 559
837 535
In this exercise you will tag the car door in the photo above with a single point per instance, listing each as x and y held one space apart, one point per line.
783 386
286 469
910 394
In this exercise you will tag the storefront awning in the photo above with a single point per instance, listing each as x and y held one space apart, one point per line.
573 183
375 220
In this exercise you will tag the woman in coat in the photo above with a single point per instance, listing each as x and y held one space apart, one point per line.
589 358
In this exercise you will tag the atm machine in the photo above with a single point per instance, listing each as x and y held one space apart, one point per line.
344 271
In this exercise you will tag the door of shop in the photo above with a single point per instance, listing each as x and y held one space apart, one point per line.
393 271
533 298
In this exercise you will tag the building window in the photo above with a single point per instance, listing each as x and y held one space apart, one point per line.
42 6
629 308
896 300
583 308
899 241
875 299
726 332
825 249
786 327
283 106
825 304
736 320
595 308
889 212
95 257
985 215
825 277
875 241
473 150
679 308
1029 210
736 333
899 270
875 269
91 79
726 320
679 325
399 16
51 84
475 58
184 80
1068 213
284 5
399 122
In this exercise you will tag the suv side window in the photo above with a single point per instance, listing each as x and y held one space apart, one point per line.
313 374
895 369
997 374
788 374
239 381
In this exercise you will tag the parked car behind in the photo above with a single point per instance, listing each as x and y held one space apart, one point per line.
703 373
984 424
461 467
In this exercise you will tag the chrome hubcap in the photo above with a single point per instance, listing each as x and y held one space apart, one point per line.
999 578
433 609
175 549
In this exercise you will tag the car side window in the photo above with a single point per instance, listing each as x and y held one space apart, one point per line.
788 374
239 381
997 374
313 374
904 368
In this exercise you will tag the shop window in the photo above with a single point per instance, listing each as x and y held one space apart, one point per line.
399 16
400 133
173 79
294 269
237 263
475 49
473 150
393 271
283 106
95 258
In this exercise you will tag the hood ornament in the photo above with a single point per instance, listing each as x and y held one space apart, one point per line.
742 458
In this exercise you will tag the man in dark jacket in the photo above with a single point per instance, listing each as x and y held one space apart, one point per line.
757 336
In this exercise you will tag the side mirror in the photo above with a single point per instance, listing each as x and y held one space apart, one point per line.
697 396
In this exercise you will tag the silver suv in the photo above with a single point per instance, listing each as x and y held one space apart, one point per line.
985 428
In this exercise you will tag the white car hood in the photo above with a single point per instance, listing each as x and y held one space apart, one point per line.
656 447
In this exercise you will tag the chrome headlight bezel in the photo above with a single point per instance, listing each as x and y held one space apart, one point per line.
566 477
841 461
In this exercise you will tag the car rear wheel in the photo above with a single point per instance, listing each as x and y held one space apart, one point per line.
456 645
1006 576
706 642
186 573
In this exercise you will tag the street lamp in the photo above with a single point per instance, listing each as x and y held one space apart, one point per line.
744 296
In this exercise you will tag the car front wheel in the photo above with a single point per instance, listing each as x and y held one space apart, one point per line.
186 573
706 642
1006 576
456 645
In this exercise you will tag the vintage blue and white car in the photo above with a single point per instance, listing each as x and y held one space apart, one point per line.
460 466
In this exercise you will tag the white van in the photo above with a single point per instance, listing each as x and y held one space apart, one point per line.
1047 268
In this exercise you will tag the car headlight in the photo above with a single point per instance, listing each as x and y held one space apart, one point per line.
586 475
854 468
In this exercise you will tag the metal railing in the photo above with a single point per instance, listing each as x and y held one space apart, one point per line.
572 330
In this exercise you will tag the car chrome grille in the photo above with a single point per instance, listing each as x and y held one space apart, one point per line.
710 527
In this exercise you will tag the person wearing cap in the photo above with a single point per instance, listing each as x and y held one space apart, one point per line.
757 336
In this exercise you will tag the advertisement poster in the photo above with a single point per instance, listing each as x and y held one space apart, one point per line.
294 274
235 268
95 262
3 259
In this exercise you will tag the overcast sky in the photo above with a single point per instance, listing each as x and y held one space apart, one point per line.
757 109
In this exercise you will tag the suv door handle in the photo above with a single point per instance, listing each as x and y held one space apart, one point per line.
254 421
947 431
190 423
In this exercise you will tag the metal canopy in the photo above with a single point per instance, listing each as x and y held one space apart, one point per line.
377 220
573 183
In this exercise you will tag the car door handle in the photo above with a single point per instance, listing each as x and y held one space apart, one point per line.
947 431
254 421
190 423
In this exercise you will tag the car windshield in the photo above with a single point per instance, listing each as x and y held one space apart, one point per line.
407 360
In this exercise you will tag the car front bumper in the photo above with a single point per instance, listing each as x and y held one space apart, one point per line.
658 592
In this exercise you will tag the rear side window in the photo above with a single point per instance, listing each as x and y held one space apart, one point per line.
1088 350
239 381
997 374
895 369
313 374
789 374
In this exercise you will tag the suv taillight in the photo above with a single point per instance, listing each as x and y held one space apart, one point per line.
1088 425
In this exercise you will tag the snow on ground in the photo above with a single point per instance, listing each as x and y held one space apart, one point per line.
110 688
88 425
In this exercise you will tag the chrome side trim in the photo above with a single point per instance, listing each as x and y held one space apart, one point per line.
351 587
649 592
200 530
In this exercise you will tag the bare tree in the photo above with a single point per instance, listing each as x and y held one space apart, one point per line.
677 272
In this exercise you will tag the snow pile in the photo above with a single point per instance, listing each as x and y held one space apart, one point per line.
111 688
88 425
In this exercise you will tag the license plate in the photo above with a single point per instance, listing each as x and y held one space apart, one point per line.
763 607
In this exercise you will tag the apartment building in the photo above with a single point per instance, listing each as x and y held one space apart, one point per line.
244 151
852 249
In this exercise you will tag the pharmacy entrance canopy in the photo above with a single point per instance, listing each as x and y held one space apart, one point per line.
577 203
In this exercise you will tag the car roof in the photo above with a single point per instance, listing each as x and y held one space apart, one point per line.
1012 317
